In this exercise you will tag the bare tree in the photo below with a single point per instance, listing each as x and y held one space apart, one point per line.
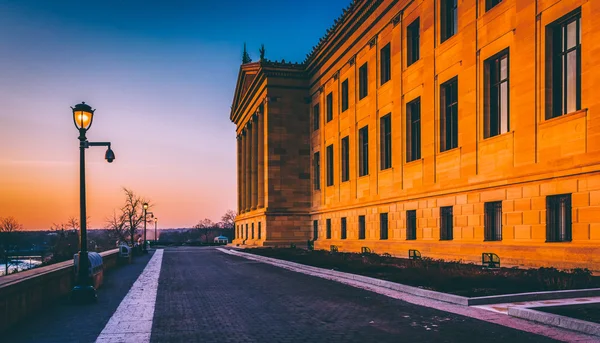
117 226
133 211
205 226
9 225
228 219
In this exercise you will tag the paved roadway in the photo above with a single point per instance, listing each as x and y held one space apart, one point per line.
208 296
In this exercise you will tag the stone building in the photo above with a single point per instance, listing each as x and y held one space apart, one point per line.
453 127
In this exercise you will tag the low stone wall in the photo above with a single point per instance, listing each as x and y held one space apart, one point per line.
27 292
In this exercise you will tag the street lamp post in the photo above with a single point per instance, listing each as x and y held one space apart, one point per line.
155 236
144 247
83 116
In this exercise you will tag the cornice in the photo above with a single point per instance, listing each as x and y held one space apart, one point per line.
359 13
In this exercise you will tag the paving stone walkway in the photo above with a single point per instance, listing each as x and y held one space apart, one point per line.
203 295
207 296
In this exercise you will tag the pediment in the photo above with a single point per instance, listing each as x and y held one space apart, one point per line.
245 77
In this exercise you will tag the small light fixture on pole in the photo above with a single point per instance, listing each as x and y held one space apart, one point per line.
83 115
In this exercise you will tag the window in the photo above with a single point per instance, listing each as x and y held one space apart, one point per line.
446 227
361 227
496 95
411 224
489 4
383 226
558 218
259 230
564 72
345 95
330 165
363 83
412 42
252 230
413 130
328 227
316 117
345 159
449 115
493 221
386 64
449 18
386 141
344 229
363 151
329 107
246 231
317 171
315 230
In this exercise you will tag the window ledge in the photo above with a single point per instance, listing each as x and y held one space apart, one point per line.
558 241
564 118
414 161
386 170
498 137
414 64
386 84
449 151
447 44
363 176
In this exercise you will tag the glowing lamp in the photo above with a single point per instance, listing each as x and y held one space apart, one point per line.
83 116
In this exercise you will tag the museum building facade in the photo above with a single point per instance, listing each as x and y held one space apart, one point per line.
451 127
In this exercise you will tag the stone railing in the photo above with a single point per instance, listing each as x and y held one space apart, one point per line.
27 292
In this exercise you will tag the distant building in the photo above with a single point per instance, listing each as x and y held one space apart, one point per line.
221 240
450 127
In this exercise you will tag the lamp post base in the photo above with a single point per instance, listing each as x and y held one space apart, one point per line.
83 294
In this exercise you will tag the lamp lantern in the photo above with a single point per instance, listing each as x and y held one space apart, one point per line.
83 115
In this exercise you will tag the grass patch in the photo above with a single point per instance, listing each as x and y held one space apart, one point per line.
587 312
465 279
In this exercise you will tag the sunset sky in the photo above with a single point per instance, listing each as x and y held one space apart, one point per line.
161 75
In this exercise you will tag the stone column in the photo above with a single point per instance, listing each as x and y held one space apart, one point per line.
254 166
238 140
261 158
242 188
248 169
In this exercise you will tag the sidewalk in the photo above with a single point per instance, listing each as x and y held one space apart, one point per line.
65 322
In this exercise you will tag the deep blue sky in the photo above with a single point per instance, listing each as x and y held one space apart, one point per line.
161 75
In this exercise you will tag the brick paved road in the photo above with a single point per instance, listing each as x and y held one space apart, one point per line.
207 296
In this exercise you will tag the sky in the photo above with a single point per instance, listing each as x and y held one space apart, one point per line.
161 76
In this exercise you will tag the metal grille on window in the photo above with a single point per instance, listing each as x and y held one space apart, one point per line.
446 228
361 227
493 221
411 224
383 226
558 218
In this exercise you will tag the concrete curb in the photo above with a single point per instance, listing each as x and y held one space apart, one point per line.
446 297
325 273
555 320
534 296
